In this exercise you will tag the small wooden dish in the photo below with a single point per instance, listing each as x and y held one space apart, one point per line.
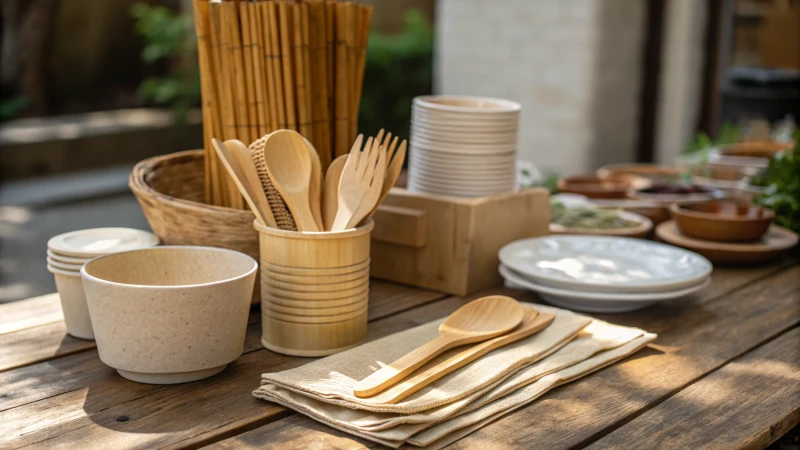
722 220
640 176
775 242
593 187
748 154
668 193
639 231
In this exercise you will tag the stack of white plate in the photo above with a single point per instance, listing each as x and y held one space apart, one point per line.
68 252
603 274
463 146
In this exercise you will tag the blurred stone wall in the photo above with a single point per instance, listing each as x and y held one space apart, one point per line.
574 65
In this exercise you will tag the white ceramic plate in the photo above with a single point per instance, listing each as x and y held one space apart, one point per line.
100 241
605 263
465 159
462 137
463 148
461 126
597 301
467 104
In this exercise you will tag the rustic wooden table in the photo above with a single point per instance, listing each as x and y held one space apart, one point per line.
724 372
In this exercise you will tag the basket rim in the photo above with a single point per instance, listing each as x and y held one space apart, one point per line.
138 185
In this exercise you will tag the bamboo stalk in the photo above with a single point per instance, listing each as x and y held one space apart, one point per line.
249 73
271 55
361 59
301 88
306 36
227 116
342 95
233 55
320 76
287 65
203 55
266 111
330 53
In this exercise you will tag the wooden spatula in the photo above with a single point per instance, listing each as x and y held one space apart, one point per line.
236 158
532 322
289 165
315 186
477 321
330 191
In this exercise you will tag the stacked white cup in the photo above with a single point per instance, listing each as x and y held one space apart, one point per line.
463 146
68 252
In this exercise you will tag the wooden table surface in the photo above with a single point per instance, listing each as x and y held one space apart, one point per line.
724 373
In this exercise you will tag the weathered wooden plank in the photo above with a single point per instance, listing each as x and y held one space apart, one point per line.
748 403
30 313
42 338
41 343
45 401
694 340
296 431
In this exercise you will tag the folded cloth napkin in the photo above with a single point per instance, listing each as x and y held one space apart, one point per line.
459 402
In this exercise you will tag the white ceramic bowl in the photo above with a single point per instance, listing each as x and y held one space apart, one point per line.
463 148
73 303
95 242
497 159
66 259
64 266
170 314
464 104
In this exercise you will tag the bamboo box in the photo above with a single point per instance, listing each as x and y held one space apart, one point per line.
450 244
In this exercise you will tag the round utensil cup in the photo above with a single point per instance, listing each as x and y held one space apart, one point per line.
331 264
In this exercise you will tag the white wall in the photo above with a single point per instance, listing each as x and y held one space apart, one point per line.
574 65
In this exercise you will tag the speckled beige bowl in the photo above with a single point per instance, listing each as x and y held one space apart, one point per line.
169 314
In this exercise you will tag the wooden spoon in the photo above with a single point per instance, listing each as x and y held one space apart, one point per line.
315 186
289 166
330 192
476 321
236 158
532 322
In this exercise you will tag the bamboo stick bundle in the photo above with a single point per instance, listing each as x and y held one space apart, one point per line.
272 64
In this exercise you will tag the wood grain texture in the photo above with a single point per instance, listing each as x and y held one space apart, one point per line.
696 338
748 403
76 401
30 313
42 343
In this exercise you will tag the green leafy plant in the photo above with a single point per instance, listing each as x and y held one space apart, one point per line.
782 182
728 134
168 36
12 107
398 68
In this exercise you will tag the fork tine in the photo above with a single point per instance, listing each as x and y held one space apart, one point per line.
351 164
362 156
369 170
379 136
390 152
380 169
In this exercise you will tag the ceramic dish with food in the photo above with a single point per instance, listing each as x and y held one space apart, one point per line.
674 192
597 221
170 314
723 220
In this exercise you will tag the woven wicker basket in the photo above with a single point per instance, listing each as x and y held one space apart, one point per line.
170 189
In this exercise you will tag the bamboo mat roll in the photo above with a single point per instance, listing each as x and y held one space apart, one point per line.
273 64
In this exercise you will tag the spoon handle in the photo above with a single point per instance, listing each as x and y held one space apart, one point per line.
389 375
303 217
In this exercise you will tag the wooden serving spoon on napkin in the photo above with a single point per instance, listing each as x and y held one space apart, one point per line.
477 321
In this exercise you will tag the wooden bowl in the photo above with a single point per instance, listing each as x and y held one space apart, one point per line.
639 231
640 175
593 186
668 193
722 220
748 154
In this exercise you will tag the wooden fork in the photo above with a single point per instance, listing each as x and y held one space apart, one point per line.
362 179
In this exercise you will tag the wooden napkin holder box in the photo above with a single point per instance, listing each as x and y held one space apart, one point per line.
450 244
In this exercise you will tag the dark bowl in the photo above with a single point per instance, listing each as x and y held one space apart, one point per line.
722 220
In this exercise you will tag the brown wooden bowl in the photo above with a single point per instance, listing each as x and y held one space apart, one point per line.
639 175
593 187
722 220
754 149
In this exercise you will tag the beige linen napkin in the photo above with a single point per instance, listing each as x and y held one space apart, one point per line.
394 429
332 379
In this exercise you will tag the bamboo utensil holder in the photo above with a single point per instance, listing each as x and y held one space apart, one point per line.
303 276
450 244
